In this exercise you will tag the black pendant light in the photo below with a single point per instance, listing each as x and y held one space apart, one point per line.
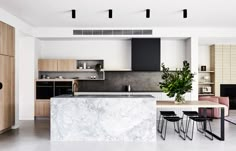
110 13
73 13
185 13
147 13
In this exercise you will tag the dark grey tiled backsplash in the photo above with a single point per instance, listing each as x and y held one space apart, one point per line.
117 82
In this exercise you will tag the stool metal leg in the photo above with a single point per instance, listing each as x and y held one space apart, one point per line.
210 137
158 125
189 137
164 137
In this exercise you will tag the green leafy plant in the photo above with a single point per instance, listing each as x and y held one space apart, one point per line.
177 83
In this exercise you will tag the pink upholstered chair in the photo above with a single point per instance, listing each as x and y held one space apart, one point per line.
217 99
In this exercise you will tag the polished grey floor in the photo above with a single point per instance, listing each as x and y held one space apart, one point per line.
34 136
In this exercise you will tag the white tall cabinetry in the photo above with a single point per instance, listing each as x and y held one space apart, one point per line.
224 57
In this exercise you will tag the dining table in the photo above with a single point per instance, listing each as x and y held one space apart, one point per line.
198 104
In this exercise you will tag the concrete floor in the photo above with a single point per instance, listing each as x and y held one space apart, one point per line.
34 136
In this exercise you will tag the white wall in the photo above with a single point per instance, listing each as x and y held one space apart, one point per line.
204 56
26 71
173 53
15 22
192 58
115 53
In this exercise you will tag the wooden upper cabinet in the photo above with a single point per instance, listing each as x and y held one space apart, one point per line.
7 39
47 65
3 38
66 65
10 41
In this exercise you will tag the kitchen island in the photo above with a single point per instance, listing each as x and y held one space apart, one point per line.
103 118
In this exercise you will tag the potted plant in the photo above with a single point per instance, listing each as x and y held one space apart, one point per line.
177 83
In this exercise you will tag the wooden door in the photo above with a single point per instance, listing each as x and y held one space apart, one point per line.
47 65
66 65
5 93
12 90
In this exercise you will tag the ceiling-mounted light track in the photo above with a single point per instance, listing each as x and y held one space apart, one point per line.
73 13
110 13
147 13
185 13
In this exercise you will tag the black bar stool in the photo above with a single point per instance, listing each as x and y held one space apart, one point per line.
174 119
201 120
188 114
163 114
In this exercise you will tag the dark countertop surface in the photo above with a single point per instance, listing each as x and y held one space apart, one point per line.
119 91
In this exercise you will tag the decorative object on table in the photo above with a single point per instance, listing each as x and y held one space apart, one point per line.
203 68
98 67
177 83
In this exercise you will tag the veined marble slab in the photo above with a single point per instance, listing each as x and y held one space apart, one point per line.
103 118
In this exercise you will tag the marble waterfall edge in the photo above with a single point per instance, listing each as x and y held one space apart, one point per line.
103 119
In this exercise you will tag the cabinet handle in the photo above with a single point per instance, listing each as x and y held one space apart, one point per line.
0 85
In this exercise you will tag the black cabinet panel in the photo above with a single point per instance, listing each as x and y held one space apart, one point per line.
146 54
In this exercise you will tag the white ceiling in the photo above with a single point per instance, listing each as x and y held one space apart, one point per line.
126 13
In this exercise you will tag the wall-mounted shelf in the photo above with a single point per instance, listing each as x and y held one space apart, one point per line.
206 94
88 70
206 83
206 71
89 64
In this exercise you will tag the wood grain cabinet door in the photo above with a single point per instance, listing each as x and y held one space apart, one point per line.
3 38
5 93
47 65
10 41
66 65
42 108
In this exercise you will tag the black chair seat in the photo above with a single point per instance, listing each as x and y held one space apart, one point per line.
172 119
191 113
167 113
199 119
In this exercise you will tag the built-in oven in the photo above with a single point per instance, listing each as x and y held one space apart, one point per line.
48 89
64 87
44 89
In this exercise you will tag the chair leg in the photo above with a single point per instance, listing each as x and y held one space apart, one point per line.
179 126
164 137
182 124
210 137
176 130
198 129
158 125
190 138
